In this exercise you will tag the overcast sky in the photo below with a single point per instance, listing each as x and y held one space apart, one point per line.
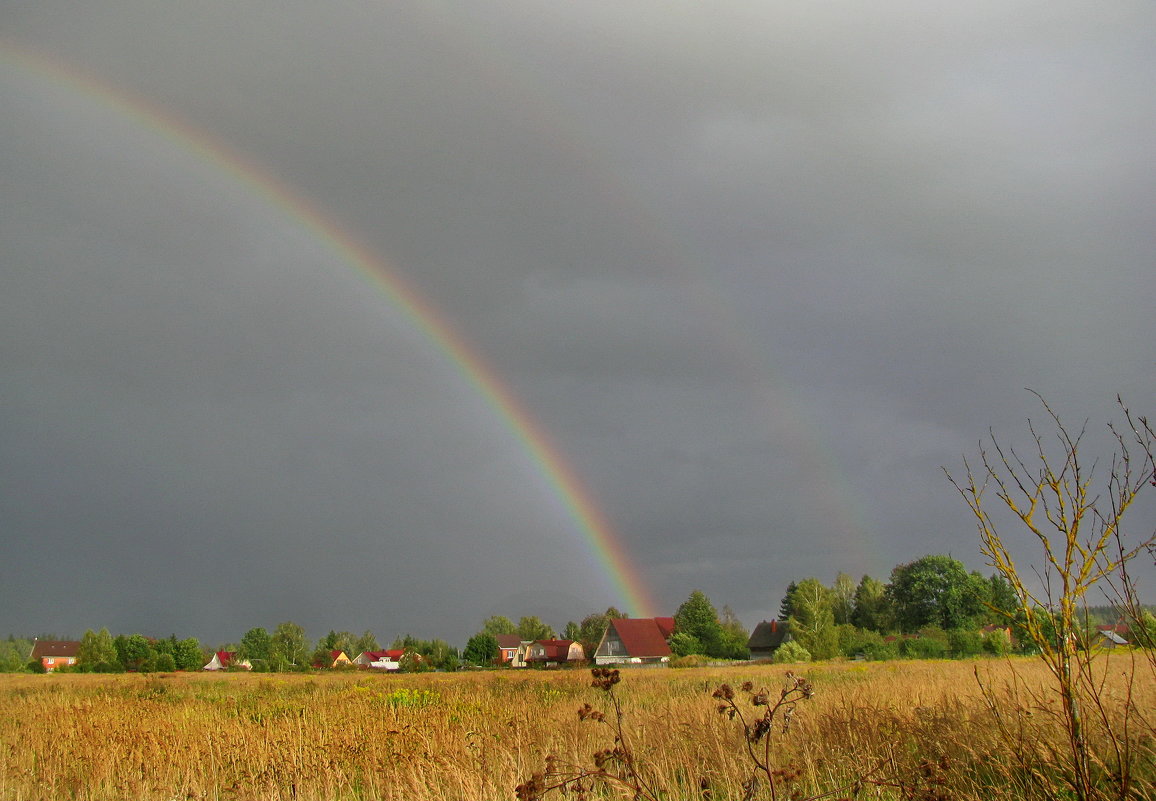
759 269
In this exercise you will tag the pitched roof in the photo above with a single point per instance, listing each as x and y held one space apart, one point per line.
1120 628
553 650
768 634
55 648
508 640
643 636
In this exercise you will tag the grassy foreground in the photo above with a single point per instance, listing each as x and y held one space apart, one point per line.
478 735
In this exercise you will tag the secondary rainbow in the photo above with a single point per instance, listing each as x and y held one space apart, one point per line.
548 459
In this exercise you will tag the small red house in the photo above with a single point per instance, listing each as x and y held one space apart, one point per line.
55 653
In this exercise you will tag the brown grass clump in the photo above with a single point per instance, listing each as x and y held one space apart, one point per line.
897 730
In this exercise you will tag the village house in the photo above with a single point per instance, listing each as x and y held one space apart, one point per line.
635 641
336 659
1112 635
551 653
223 660
512 650
767 637
380 660
55 653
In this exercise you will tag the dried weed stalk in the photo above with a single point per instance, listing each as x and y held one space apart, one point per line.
618 767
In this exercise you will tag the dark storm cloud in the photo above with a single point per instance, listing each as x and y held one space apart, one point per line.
758 269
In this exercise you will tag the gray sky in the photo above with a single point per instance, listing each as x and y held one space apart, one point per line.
758 269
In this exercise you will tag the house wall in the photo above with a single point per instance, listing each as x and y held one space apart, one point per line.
51 663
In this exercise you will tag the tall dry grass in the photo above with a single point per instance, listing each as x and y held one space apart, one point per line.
926 726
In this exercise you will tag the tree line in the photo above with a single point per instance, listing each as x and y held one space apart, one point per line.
931 607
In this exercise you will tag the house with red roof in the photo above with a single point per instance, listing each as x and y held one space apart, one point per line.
380 660
641 640
55 653
336 659
223 660
551 653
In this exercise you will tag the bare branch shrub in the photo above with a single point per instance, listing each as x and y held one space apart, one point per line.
1077 527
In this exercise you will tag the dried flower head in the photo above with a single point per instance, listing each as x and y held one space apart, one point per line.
604 678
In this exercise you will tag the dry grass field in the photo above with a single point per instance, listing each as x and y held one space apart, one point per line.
924 728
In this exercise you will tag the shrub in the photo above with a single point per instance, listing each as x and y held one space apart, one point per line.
997 643
880 651
923 648
789 652
964 642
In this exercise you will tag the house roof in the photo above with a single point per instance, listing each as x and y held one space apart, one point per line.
508 640
1118 628
644 636
552 650
55 648
768 634
1112 636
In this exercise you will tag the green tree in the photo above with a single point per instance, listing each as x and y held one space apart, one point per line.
499 624
96 647
785 604
481 650
188 655
14 653
572 632
325 647
872 609
935 590
1000 600
165 663
698 618
843 599
137 653
593 628
256 646
532 628
366 642
812 619
734 636
288 647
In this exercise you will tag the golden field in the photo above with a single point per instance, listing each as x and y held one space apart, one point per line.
924 728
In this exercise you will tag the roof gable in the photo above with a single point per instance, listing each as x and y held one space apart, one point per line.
642 636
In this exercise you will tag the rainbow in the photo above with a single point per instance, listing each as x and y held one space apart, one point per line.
567 486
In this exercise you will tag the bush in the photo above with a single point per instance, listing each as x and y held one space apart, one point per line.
165 663
964 642
683 644
790 652
923 648
997 643
880 651
854 641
